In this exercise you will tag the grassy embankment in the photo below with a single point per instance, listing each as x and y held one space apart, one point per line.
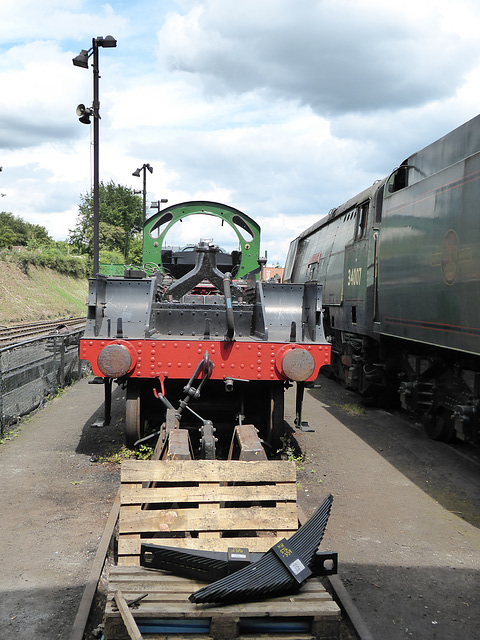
43 294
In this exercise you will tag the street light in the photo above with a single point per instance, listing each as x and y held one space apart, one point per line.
136 173
85 113
158 203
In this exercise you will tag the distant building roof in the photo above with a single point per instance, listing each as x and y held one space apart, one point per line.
273 273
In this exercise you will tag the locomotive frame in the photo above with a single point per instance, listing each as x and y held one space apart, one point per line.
198 348
400 268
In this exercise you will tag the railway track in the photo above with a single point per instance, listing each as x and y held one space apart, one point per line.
22 332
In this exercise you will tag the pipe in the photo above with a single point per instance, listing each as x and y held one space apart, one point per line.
227 281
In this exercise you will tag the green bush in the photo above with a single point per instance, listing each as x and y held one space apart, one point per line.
51 258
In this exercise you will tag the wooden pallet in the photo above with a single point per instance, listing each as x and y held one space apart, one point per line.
199 504
210 505
166 606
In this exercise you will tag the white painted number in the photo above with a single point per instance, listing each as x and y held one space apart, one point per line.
354 277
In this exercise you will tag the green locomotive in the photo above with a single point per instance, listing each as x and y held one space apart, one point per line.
400 269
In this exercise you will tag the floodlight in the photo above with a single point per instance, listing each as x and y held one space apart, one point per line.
82 59
108 41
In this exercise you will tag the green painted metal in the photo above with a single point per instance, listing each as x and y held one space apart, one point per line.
246 229
429 251
113 269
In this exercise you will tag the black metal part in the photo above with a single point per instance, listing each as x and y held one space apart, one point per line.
205 366
325 563
301 425
227 290
207 441
205 269
293 563
269 577
131 604
208 566
107 407
214 565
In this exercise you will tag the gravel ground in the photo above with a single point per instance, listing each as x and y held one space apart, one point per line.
54 503
405 518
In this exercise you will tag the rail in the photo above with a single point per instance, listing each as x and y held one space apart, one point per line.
22 332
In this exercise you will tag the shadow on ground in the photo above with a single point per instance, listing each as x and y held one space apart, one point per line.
447 473
99 441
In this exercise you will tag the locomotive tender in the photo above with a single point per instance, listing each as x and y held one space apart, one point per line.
400 269
199 350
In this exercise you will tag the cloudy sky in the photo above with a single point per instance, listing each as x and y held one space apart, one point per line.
282 108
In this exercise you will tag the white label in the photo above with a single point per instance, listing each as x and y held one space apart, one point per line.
297 567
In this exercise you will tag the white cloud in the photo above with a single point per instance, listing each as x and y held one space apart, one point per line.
281 108
337 55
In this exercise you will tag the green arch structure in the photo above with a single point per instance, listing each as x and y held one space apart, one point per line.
246 229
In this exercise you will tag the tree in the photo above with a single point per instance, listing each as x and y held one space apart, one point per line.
7 238
16 231
120 217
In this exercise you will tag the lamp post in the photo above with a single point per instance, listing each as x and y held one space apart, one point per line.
158 203
136 173
84 114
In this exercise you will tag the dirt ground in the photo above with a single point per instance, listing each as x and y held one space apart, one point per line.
405 518
54 503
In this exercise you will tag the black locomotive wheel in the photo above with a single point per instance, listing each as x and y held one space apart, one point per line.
134 421
440 426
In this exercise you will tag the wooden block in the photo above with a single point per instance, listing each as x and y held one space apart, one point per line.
128 619
207 471
136 494
167 599
205 500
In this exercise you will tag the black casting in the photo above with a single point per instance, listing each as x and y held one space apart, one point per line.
269 576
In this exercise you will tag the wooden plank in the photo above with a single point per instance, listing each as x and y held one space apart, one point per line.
176 471
128 619
214 493
83 612
205 513
178 445
311 599
205 516
241 519
286 607
131 547
168 599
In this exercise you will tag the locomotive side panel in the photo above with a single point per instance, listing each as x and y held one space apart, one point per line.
409 331
429 261
340 254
